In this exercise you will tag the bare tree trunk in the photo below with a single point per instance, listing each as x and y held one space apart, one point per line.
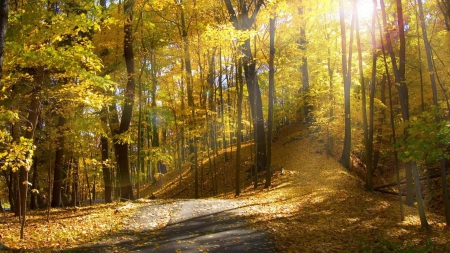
240 88
59 164
345 158
29 134
271 97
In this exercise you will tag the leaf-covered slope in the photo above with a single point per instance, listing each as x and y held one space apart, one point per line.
316 205
319 206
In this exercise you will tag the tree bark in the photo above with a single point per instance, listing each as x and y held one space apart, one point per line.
403 95
307 108
59 164
23 171
436 103
106 171
345 157
3 27
271 97
240 88
120 146
244 21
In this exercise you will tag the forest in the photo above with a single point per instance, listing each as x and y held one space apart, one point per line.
113 101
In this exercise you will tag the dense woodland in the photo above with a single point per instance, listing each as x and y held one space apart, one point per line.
99 98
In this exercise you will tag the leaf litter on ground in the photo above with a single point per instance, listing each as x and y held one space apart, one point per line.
313 205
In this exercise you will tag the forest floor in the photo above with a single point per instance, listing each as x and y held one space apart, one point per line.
313 205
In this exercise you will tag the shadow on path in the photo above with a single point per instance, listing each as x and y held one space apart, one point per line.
195 226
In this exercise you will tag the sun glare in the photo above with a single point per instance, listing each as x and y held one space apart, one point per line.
365 9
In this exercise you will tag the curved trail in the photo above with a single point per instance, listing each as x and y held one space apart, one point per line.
207 226
202 225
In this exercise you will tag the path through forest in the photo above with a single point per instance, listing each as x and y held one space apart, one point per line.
315 205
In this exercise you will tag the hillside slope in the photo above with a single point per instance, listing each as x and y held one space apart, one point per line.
316 205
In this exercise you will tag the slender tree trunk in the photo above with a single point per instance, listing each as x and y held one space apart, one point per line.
271 98
32 118
59 165
3 27
391 112
139 144
307 108
74 166
240 88
345 158
34 183
367 151
403 95
436 103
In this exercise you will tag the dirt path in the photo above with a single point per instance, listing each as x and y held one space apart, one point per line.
207 226
185 226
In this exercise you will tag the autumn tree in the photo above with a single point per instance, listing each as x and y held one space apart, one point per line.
243 18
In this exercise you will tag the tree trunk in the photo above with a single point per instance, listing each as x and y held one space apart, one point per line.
3 27
403 95
34 183
59 165
121 147
345 158
23 171
307 108
105 169
394 135
74 166
243 21
271 97
436 103
240 88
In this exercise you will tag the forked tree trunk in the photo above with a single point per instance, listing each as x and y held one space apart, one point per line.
243 21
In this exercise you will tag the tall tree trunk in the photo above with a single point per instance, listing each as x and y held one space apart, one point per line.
367 151
32 118
403 95
74 166
345 158
243 21
59 165
271 97
436 103
240 88
307 108
34 183
3 27
121 147
107 180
